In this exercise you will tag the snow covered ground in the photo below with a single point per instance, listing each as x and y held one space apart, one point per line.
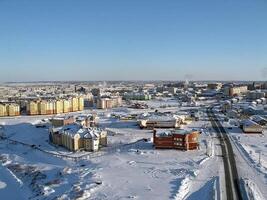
129 168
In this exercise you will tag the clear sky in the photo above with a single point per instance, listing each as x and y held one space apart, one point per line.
133 40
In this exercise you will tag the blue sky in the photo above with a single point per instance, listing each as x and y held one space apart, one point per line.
133 40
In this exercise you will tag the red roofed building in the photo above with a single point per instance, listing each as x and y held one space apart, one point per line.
176 139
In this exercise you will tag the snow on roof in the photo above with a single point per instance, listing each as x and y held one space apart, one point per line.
84 117
166 133
181 131
258 118
248 122
159 117
75 128
91 134
62 117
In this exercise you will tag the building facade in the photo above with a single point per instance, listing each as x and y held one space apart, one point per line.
176 139
235 90
49 107
75 137
9 109
107 103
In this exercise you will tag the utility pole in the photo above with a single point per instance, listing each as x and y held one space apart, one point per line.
259 152
259 157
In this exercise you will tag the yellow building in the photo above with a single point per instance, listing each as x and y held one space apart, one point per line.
58 106
75 104
3 111
32 108
42 107
9 109
50 107
66 106
81 104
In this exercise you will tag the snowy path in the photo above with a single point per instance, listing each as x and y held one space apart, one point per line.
10 188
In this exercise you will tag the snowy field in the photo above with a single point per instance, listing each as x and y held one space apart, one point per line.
129 168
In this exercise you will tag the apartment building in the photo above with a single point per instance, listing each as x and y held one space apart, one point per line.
9 109
59 106
80 103
13 109
107 103
235 90
257 94
75 137
137 96
49 107
3 110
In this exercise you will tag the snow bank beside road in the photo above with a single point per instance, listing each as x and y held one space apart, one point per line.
250 191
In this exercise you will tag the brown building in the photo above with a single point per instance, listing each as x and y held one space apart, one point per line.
62 121
214 86
176 139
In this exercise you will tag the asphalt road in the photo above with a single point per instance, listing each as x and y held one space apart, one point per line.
231 175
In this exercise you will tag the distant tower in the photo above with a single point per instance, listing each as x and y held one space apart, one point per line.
186 83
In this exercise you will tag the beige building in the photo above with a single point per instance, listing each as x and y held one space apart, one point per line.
81 103
42 107
89 120
59 106
49 107
66 105
62 121
51 104
3 111
75 137
235 90
13 109
107 103
9 109
75 104
250 126
32 108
